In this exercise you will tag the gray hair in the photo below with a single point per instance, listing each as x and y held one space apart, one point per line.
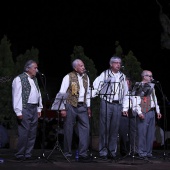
75 62
144 72
114 58
28 65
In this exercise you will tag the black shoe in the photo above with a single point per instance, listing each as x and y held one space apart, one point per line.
143 157
113 157
104 158
86 159
20 159
151 157
123 154
29 159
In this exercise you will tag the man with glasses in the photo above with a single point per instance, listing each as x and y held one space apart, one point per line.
145 107
111 86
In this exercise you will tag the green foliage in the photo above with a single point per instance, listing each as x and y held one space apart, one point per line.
6 60
132 67
131 64
22 58
78 52
8 70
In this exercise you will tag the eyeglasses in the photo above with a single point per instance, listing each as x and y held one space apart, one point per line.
117 62
148 75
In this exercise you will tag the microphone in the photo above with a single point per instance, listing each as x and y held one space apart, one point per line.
87 72
38 72
122 67
154 81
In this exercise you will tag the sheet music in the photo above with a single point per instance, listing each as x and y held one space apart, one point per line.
60 101
110 87
142 89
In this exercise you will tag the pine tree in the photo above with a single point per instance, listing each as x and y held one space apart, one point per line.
6 74
8 70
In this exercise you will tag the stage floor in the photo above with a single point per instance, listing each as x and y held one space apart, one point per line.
54 159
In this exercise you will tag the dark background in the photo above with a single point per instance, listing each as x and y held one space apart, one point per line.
55 27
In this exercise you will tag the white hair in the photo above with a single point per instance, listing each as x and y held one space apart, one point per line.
115 59
28 64
75 62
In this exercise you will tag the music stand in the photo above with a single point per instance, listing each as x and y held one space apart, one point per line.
141 90
57 105
107 89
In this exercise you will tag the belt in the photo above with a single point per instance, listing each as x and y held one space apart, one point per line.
33 104
153 108
80 103
115 101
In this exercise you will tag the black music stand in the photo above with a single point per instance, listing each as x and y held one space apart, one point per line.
57 105
142 90
107 89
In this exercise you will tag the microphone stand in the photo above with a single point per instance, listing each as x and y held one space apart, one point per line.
43 158
164 120
136 91
91 118
91 124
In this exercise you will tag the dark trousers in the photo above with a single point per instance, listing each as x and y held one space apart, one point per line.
127 134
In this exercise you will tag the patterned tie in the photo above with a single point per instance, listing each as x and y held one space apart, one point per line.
145 104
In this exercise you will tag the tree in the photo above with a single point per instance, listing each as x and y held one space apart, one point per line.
132 67
8 70
165 23
78 52
22 58
6 73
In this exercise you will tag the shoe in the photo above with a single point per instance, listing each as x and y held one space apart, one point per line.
151 157
143 157
20 159
86 159
104 158
29 159
123 154
113 157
